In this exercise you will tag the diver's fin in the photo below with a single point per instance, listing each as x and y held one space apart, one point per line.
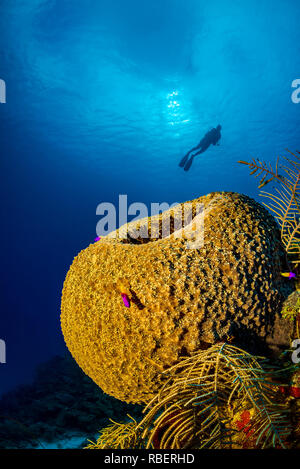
189 164
184 160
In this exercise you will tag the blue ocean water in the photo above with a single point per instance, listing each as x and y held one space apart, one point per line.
104 97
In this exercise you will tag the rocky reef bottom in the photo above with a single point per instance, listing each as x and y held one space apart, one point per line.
62 408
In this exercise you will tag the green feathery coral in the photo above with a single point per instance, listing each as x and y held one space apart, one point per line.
198 405
118 436
285 202
204 392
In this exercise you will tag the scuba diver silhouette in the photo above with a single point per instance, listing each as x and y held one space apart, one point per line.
210 138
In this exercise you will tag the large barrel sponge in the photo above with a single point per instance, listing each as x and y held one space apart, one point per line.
181 299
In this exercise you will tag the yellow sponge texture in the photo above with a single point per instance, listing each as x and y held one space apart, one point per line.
181 299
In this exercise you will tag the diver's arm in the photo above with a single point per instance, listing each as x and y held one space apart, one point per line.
216 140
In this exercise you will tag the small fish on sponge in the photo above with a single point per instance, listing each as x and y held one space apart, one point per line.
124 288
180 296
289 275
126 300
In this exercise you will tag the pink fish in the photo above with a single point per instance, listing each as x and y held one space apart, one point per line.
288 275
125 300
98 238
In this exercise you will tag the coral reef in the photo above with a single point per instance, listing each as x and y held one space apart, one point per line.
222 397
181 300
284 203
205 393
291 309
60 404
119 436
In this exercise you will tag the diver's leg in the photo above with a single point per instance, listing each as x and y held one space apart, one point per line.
198 152
202 150
189 163
185 158
195 148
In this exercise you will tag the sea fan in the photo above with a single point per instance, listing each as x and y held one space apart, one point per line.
285 203
196 406
222 397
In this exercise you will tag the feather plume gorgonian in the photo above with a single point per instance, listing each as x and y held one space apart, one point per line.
195 407
284 203
118 436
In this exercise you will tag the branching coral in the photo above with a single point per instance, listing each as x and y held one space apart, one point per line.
205 393
285 203
217 398
119 436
